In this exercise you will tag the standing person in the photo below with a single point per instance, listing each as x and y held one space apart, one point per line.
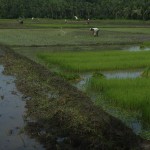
95 31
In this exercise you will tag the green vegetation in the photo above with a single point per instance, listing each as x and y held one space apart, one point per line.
145 44
130 30
130 94
92 61
72 49
146 72
82 37
56 110
101 9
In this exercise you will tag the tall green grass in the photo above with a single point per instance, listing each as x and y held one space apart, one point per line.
93 61
130 94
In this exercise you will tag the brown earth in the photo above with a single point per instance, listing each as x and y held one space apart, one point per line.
62 117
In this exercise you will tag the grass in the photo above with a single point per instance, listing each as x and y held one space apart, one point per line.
130 94
93 61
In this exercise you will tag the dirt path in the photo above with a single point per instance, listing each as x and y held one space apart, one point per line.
60 116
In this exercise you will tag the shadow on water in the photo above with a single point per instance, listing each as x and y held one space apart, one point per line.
12 108
129 118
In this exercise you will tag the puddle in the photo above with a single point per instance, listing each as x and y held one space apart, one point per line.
12 109
137 48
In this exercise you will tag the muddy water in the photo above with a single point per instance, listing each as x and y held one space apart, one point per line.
12 109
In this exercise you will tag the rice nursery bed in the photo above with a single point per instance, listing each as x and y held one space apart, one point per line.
130 94
97 61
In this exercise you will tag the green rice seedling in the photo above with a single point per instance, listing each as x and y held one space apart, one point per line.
98 75
146 72
130 94
145 45
97 61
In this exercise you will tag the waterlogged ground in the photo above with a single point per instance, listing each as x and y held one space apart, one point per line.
12 109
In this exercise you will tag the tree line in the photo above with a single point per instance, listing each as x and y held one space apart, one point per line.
84 9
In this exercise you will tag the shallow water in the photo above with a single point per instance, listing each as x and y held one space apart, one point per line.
12 108
122 74
137 48
109 75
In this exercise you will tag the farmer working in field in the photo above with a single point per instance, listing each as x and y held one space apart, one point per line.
95 31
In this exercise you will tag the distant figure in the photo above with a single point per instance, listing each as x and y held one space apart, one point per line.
65 20
76 17
95 31
88 21
32 18
20 20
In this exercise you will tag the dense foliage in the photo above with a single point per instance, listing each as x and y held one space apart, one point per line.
95 9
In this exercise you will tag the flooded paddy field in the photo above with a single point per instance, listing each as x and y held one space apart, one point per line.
124 80
61 117
65 55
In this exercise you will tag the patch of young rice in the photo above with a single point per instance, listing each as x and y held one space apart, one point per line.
130 94
93 61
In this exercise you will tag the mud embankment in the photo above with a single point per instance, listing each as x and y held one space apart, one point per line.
12 109
62 117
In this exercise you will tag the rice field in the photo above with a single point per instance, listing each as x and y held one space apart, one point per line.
72 48
129 94
97 61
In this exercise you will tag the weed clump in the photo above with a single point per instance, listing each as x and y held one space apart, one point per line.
98 75
146 72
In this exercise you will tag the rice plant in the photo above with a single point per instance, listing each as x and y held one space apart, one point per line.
97 61
130 94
